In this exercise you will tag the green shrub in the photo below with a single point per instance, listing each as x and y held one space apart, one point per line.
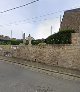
62 37
16 42
38 41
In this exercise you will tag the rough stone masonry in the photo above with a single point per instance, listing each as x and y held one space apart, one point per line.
60 55
71 20
64 55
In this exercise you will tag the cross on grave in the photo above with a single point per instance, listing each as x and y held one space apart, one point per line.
29 38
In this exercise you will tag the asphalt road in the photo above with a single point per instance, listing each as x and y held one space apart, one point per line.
16 79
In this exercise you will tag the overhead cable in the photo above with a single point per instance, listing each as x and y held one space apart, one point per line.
19 6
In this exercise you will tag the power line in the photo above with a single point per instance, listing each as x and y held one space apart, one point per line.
19 6
48 14
33 21
45 19
27 21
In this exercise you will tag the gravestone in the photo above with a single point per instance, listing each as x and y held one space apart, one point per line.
24 40
29 38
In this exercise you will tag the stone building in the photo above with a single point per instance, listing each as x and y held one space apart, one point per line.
71 20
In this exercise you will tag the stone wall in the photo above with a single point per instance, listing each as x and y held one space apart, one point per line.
64 55
71 20
59 55
75 39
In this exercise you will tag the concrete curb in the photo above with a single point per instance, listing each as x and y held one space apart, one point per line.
43 69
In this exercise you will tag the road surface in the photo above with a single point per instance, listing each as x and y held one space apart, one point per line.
13 78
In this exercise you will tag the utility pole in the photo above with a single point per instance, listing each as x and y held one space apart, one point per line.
22 34
51 29
11 34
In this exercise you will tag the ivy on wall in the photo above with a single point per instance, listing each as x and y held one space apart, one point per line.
62 37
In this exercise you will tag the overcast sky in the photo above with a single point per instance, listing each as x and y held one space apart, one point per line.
35 19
